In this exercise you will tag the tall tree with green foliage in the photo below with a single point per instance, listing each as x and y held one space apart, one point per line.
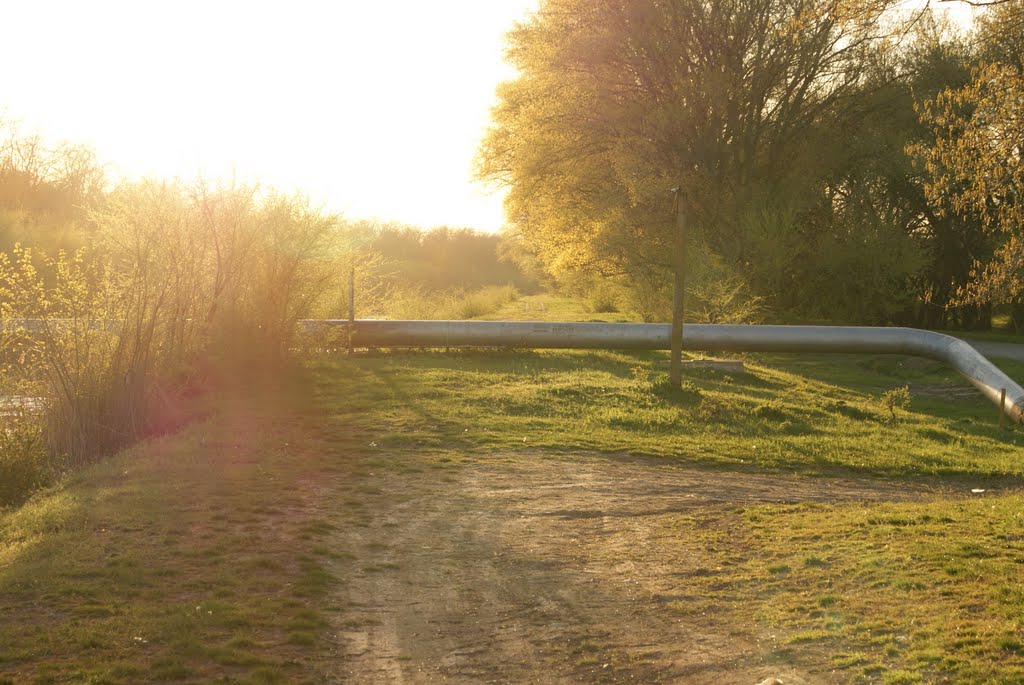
976 160
617 101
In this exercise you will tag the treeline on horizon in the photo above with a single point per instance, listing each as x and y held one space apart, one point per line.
142 294
50 197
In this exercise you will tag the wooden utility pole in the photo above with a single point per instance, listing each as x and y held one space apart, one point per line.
679 289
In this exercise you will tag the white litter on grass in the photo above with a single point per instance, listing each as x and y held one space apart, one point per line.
977 491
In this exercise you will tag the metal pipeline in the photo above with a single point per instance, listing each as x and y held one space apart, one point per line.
970 363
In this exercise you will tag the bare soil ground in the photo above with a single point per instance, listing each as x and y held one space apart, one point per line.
540 568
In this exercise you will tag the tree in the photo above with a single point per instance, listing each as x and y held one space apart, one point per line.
976 159
617 101
45 191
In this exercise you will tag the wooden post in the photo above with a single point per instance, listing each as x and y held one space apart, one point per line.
351 306
1002 409
679 289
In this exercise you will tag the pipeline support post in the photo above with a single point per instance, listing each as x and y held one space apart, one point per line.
351 306
1002 409
678 290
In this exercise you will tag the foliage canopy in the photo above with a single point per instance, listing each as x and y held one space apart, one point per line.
787 124
617 102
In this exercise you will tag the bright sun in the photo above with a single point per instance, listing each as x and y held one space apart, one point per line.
372 108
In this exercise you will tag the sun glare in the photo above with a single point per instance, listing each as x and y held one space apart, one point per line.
372 109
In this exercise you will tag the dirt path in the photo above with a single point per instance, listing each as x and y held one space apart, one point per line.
533 568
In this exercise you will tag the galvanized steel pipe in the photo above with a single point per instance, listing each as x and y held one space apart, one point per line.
970 363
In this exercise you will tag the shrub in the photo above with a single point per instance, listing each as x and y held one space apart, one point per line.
24 467
316 339
773 411
176 277
482 302
412 303
417 303
603 298
897 398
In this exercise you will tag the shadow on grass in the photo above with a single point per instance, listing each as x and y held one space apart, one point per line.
685 395
748 379
462 400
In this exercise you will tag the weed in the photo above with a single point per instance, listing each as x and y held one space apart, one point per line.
416 303
1010 643
603 299
266 675
849 660
896 398
686 394
808 636
773 411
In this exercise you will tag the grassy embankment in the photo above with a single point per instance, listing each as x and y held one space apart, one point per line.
815 414
192 557
200 556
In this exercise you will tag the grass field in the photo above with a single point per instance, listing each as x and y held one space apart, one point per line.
250 546
551 307
813 413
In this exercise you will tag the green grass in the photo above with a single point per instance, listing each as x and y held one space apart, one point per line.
895 593
180 559
1002 331
931 589
809 413
494 303
548 307
204 556
1000 335
453 304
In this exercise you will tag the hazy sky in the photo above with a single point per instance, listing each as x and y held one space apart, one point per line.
373 108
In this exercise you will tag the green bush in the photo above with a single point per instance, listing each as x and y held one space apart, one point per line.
417 303
412 302
24 467
603 298
897 398
175 277
482 302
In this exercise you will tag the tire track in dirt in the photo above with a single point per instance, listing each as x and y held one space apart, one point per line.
534 568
